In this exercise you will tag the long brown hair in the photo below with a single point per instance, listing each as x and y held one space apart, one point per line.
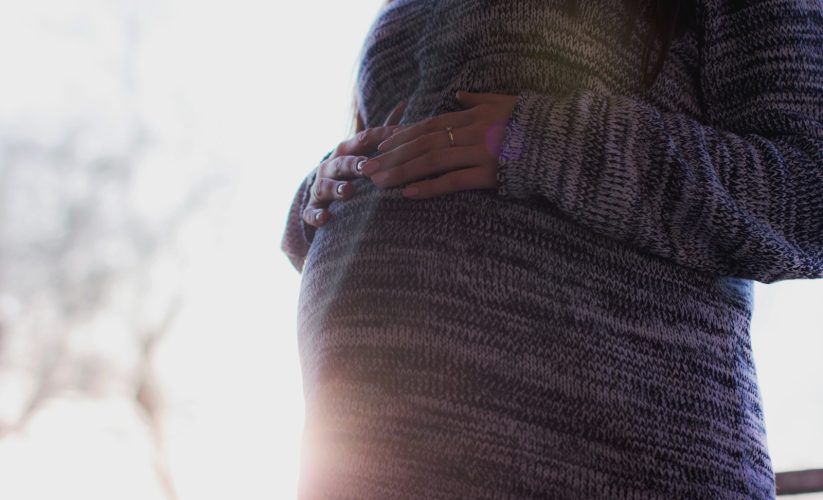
670 19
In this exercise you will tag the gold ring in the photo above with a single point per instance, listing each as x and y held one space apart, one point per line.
451 136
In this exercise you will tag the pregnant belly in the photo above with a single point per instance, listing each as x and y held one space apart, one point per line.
427 263
435 334
473 253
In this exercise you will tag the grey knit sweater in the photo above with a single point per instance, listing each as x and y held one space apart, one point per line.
583 330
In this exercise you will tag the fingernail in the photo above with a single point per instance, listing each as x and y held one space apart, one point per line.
411 191
383 145
317 215
371 167
359 166
340 188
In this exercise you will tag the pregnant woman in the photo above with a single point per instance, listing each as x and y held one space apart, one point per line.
540 284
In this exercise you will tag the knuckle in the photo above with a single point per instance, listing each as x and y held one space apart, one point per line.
308 215
334 168
327 190
319 189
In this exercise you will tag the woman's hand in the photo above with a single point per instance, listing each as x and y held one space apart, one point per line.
425 149
344 164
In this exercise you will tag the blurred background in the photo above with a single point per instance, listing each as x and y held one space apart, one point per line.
149 151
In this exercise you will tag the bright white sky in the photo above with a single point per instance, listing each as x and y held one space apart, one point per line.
257 91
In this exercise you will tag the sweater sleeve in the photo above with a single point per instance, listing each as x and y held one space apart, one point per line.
741 196
298 235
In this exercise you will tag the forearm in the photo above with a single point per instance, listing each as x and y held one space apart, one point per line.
743 205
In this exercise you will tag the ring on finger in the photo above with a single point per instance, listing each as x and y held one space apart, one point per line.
449 131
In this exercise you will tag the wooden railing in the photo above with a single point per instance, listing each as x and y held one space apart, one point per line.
799 481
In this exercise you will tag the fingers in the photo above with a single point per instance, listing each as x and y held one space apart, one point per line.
314 216
405 152
434 162
325 190
364 142
342 167
419 151
435 124
346 163
451 182
395 115
330 184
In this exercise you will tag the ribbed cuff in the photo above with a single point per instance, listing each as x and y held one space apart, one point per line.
523 160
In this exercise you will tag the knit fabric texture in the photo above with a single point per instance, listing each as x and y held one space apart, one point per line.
582 331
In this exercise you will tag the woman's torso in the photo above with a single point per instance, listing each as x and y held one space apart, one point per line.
481 347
